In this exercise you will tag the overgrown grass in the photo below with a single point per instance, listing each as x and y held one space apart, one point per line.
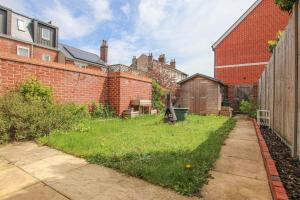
175 156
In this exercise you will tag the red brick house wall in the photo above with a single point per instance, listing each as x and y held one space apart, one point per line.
10 46
240 57
72 84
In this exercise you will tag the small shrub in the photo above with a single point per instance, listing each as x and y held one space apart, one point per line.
273 43
29 112
33 89
101 111
248 107
157 96
3 132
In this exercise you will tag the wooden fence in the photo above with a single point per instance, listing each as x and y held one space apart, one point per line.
278 86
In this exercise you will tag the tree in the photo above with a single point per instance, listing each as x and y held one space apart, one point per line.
286 5
164 78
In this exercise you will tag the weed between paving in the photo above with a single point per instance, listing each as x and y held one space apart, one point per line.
288 167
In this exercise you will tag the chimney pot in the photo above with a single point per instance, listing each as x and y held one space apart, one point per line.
173 63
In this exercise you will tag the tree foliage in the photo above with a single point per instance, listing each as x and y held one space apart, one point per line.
286 5
158 94
164 78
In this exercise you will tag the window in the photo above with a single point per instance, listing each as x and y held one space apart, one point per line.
46 57
21 25
3 21
23 51
45 34
80 64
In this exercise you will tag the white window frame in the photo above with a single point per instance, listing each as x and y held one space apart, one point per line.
46 56
24 48
21 25
44 37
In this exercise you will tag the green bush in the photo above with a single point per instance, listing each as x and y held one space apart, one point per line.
29 112
286 5
157 96
101 111
248 107
3 128
34 90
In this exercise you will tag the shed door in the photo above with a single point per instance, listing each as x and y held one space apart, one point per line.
200 91
3 20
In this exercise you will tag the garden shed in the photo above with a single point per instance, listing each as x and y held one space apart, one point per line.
201 94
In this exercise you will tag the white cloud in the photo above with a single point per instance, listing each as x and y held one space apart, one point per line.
71 26
126 9
17 5
100 10
186 29
151 13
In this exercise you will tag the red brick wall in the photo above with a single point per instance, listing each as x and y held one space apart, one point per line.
38 53
69 84
247 43
72 84
10 46
123 87
247 75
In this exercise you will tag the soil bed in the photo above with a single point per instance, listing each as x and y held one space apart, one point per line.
288 167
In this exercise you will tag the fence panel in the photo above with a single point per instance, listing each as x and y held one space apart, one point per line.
263 91
278 86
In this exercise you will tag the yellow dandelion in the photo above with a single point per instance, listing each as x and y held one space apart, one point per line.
188 166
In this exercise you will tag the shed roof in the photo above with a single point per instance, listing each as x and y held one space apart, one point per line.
256 3
202 76
78 54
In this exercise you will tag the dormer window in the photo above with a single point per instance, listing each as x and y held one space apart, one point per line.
45 34
21 25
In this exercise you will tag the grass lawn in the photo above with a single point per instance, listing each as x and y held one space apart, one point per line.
175 156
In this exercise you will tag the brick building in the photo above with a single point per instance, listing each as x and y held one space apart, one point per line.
242 52
146 63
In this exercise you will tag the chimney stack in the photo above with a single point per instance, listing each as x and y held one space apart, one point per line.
173 63
162 59
134 62
104 51
150 58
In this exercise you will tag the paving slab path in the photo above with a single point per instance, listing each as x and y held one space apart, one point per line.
239 173
32 172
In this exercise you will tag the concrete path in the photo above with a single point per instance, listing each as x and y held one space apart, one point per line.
239 173
32 172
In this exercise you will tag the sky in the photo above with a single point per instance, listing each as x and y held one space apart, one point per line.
181 29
